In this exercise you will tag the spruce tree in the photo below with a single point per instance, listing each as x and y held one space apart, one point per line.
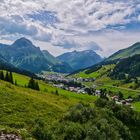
16 82
31 83
7 77
37 86
11 78
56 92
1 75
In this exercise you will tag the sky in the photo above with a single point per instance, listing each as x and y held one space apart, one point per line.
59 26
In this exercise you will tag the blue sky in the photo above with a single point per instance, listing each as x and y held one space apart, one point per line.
66 25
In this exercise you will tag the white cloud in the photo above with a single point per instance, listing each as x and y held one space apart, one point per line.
139 18
78 24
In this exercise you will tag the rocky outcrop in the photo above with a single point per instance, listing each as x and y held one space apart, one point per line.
9 136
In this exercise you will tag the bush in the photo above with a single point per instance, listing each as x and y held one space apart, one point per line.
105 121
40 132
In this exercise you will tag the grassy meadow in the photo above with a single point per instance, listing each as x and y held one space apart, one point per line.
22 107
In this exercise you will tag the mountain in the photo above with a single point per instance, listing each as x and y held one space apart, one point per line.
24 55
80 59
50 57
3 45
124 53
4 65
58 66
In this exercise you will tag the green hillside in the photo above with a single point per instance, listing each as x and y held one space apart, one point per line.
131 51
22 107
97 73
129 66
104 81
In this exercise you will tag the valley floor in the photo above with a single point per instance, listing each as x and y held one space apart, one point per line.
103 81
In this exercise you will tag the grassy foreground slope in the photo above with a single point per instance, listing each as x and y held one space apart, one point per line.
21 107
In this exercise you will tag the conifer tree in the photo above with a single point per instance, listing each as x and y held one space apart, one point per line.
11 78
31 83
16 82
37 86
56 92
6 76
1 75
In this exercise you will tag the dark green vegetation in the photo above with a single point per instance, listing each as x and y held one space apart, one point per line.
79 60
104 121
131 51
8 76
24 55
129 66
33 84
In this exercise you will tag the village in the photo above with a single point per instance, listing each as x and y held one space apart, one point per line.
75 85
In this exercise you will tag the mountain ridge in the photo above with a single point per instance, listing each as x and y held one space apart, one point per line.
80 59
127 52
25 55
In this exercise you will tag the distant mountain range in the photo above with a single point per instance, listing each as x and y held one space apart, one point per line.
80 59
23 54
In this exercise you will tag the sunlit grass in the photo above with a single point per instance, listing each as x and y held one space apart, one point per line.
136 106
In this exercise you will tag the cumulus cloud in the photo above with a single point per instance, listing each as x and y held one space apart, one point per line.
74 44
139 17
68 24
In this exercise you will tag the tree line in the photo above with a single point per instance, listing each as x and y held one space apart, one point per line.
33 84
129 66
8 76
